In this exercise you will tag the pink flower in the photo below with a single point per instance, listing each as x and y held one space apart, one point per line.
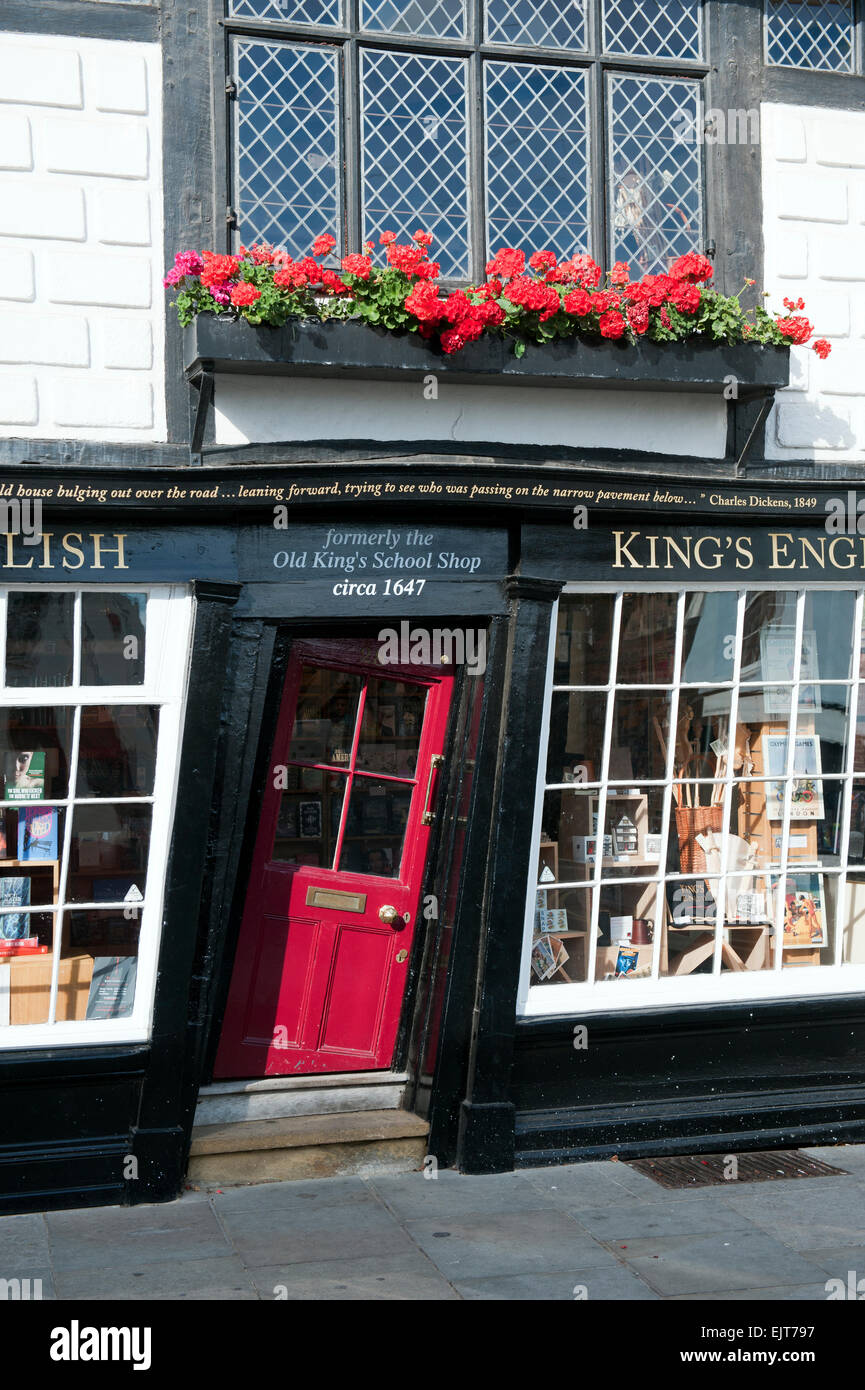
422 238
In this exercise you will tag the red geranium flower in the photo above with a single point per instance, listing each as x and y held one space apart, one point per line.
331 282
361 266
217 269
324 244
386 238
794 304
685 297
506 263
543 260
244 293
638 318
692 267
423 238
620 273
612 325
291 276
578 302
822 348
796 328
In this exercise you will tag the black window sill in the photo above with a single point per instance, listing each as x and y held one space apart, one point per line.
355 350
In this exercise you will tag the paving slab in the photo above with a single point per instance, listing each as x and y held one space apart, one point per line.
295 1235
784 1293
719 1263
589 1285
589 1184
23 1244
815 1213
632 1220
411 1196
162 1279
121 1237
485 1245
349 1281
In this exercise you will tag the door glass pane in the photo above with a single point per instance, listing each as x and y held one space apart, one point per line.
414 143
109 853
117 750
288 155
375 827
39 639
325 717
537 158
307 824
391 727
112 639
35 746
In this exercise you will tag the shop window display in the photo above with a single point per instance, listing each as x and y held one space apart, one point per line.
85 727
701 823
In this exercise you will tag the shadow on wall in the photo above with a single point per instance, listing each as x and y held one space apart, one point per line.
807 426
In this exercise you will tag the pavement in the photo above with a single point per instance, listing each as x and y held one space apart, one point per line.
590 1230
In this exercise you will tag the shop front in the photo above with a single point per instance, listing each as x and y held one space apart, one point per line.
542 787
692 945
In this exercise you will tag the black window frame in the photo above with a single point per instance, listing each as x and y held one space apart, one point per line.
716 192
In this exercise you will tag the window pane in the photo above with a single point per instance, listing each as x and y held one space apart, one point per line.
709 640
769 632
810 913
626 930
39 639
35 747
426 18
550 23
287 144
640 732
576 745
829 622
583 638
292 11
414 151
112 639
653 28
110 941
647 639
109 853
810 34
655 174
561 935
375 827
537 158
117 750
26 977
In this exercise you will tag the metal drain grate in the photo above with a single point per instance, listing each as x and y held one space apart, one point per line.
714 1170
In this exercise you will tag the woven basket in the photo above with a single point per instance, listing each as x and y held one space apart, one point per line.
692 821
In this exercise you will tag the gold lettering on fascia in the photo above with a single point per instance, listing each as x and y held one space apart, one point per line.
73 550
637 550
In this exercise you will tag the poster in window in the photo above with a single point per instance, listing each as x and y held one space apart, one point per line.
807 798
777 652
25 776
804 912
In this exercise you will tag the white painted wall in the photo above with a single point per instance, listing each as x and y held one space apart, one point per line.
81 256
271 409
814 229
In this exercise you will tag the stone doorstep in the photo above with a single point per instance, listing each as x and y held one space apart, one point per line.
305 1131
363 1144
236 1102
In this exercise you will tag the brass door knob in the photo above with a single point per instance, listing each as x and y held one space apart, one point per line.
392 918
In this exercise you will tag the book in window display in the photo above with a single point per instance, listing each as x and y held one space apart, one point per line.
804 912
25 776
37 832
310 820
14 892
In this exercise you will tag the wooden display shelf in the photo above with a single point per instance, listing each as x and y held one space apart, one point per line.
29 984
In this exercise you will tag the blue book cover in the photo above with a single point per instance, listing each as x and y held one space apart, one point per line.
37 832
14 892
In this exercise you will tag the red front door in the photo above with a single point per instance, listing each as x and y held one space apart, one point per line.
334 891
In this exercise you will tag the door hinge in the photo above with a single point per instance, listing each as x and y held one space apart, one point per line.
231 89
230 217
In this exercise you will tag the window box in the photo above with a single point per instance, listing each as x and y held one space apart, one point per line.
347 349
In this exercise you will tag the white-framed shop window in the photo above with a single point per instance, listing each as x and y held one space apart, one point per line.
699 828
92 690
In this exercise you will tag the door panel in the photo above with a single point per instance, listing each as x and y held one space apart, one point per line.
335 885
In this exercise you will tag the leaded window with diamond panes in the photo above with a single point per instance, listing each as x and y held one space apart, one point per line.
814 34
488 123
